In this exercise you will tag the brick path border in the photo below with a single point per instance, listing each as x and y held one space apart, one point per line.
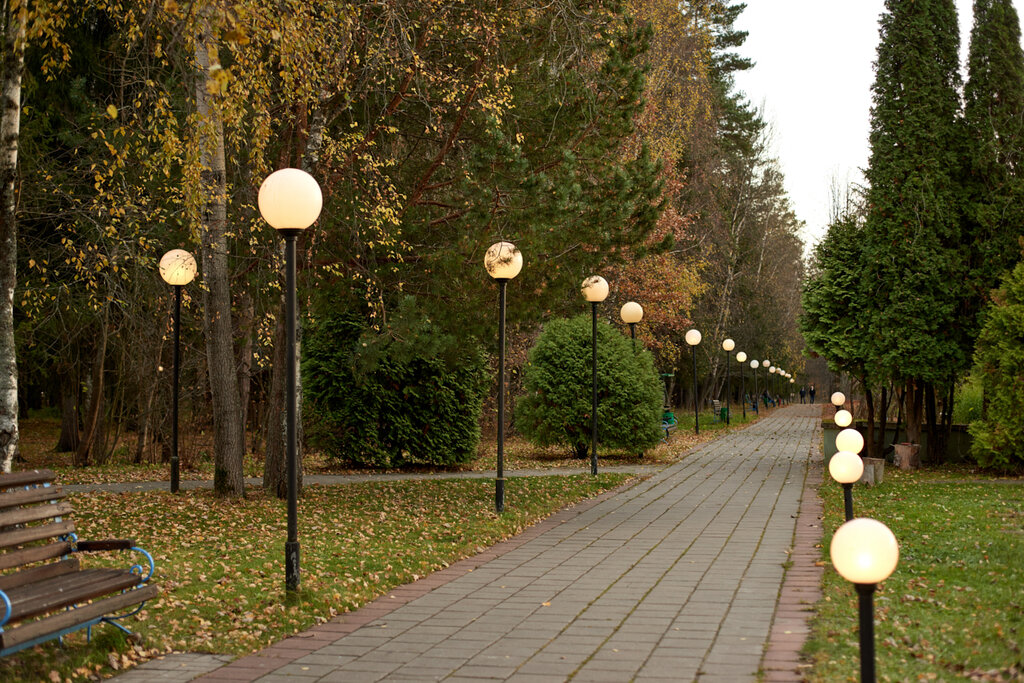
253 666
801 588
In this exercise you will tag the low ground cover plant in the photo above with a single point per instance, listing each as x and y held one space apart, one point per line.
953 609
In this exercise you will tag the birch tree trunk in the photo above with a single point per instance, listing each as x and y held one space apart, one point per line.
229 441
10 123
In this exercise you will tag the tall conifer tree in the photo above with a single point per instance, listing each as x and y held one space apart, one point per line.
913 226
994 119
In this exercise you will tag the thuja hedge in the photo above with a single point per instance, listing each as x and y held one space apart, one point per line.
557 406
410 396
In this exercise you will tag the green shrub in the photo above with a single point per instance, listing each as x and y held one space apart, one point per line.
557 406
967 402
410 396
999 363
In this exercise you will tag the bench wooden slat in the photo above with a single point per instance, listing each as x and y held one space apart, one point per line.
28 478
65 566
39 494
35 533
68 589
34 513
64 620
16 558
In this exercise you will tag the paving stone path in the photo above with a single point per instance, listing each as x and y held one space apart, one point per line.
676 578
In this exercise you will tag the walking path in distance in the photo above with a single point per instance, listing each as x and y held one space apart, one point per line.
673 579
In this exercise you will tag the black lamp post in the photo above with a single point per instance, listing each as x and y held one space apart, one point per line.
503 262
741 357
290 201
865 552
728 345
632 313
754 364
594 290
177 268
693 338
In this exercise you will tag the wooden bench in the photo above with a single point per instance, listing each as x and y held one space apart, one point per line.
716 408
44 591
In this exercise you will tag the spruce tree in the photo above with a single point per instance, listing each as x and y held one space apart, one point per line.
994 119
913 227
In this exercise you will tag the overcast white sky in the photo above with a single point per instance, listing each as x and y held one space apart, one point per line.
813 76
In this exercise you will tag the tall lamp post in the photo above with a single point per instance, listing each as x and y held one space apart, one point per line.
741 358
728 345
594 290
503 262
753 371
177 268
290 201
631 313
767 365
865 553
693 338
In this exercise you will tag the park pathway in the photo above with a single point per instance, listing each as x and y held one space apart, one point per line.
676 578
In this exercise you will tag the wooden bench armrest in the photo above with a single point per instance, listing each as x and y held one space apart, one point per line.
108 544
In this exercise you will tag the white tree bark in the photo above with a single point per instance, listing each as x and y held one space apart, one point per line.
10 124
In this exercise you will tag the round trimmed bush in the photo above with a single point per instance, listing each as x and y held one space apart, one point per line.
557 406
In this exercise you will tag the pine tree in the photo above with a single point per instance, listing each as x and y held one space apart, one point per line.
994 118
913 226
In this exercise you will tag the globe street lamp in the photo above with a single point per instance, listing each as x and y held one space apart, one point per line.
594 290
843 418
865 552
290 201
741 357
693 338
503 262
838 400
631 313
728 345
767 365
753 371
177 268
846 468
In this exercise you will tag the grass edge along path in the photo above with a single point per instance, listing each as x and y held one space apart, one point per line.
220 564
953 609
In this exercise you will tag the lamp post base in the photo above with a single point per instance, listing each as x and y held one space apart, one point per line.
866 604
499 495
291 565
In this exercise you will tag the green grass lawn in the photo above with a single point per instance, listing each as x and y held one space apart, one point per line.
954 607
220 565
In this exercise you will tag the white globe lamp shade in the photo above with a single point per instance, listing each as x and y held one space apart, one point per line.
290 199
864 551
631 312
693 337
843 418
754 364
767 363
792 381
594 289
178 267
503 260
728 345
849 440
771 369
846 467
838 398
741 357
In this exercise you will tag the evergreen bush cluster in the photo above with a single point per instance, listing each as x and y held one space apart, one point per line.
999 363
556 409
411 397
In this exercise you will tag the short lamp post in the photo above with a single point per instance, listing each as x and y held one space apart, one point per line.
753 371
503 262
843 418
693 338
741 358
846 468
865 552
290 201
838 400
851 442
767 365
177 268
632 313
594 290
728 345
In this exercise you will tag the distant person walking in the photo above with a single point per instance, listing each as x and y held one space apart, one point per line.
803 393
812 393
